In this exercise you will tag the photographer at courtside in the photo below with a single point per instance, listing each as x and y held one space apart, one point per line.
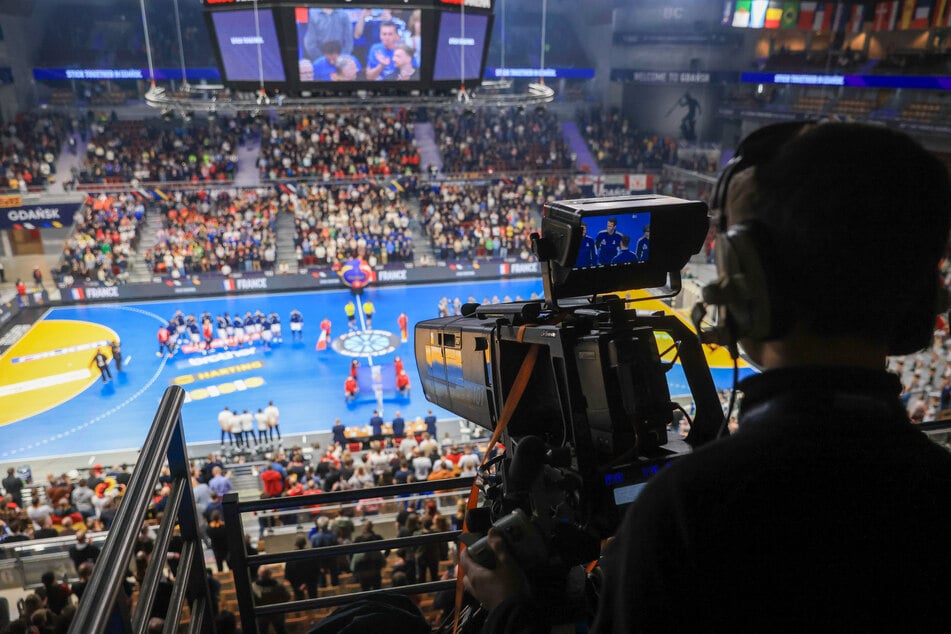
826 510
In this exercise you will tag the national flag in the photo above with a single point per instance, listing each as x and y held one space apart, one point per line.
639 182
807 15
823 18
774 14
395 186
727 18
942 14
758 13
505 268
287 188
790 15
915 14
741 15
840 15
77 294
322 340
886 14
158 194
228 284
856 19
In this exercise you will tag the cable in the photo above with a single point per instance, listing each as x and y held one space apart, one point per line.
181 48
257 33
148 44
729 410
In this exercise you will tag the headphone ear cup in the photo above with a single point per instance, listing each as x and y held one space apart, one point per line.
747 290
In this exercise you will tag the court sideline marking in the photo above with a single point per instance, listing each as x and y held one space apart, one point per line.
110 412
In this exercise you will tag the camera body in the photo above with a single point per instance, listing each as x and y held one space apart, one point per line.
591 424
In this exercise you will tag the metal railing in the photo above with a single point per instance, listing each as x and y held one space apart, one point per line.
242 562
109 609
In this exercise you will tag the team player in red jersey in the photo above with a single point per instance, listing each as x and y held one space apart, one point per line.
402 383
403 322
350 388
163 342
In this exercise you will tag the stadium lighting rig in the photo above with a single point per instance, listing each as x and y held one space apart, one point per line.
218 99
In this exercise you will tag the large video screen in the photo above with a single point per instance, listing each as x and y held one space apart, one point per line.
359 44
239 42
457 43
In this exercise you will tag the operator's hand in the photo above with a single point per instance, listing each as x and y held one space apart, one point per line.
491 586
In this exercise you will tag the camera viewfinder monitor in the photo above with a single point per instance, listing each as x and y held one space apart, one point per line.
239 38
604 245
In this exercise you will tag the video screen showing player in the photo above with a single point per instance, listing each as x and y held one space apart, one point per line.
240 37
616 239
344 44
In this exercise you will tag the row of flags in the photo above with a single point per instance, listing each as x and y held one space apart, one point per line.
837 17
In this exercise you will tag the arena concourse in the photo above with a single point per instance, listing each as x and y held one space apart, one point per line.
273 263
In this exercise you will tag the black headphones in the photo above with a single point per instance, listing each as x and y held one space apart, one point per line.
748 292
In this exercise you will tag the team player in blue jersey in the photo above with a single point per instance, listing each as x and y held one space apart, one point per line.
642 249
608 242
297 325
624 254
588 253
274 325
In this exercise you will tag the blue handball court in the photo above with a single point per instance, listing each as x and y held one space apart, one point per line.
304 382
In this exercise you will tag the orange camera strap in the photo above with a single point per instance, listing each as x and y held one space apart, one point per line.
515 395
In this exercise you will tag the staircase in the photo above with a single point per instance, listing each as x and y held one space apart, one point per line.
423 253
148 229
428 149
286 233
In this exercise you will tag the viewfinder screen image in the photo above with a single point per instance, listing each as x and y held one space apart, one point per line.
365 44
622 238
456 43
239 41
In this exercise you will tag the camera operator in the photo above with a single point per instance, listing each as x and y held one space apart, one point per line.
827 509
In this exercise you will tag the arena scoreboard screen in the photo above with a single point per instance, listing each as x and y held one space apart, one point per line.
295 47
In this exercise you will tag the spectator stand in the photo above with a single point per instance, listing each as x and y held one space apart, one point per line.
340 222
347 144
104 240
134 151
215 230
501 140
30 145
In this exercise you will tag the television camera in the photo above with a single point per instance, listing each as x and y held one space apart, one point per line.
579 380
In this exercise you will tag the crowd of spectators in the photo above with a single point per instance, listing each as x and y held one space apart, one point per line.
31 144
617 143
104 241
122 151
336 223
215 231
501 140
467 221
338 145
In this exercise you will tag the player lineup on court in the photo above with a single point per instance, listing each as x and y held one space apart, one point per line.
94 374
